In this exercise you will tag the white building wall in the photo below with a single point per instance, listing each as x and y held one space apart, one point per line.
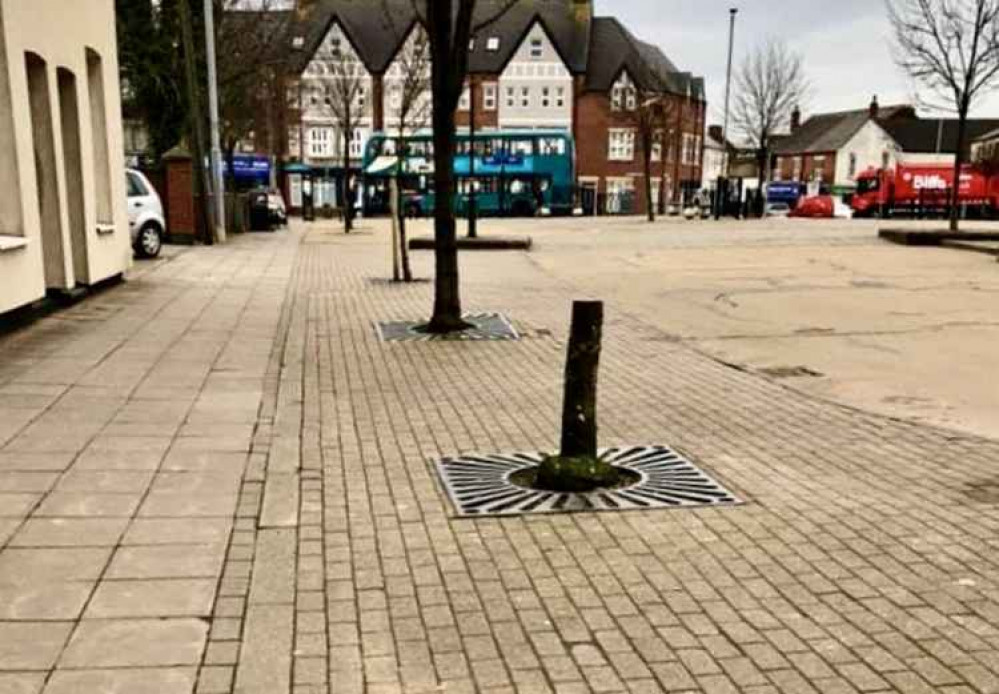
535 89
322 139
714 160
60 33
421 111
869 146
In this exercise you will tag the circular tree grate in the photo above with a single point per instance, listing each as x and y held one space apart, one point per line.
480 485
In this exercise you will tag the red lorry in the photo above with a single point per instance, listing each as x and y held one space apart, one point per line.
923 189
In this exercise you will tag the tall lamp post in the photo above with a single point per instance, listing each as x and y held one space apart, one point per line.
213 110
722 186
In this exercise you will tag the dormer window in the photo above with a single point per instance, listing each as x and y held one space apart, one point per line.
493 44
298 43
471 45
623 94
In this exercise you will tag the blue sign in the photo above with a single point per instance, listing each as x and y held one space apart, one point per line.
783 191
251 169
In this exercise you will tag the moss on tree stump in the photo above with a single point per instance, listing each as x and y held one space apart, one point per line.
581 474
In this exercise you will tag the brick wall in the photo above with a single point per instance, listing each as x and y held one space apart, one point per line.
483 118
593 123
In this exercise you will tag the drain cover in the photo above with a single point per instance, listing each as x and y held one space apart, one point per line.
485 326
479 485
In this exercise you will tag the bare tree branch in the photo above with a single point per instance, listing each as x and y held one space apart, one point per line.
768 86
951 49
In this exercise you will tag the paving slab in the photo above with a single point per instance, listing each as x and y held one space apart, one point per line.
265 662
152 598
32 645
159 531
69 532
21 682
167 561
122 643
178 680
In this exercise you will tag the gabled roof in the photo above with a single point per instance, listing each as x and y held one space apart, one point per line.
827 132
378 28
614 49
936 135
567 24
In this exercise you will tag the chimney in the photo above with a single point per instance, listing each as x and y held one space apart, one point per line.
873 108
795 119
583 12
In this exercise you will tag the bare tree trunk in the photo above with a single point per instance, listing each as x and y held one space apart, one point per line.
394 212
447 301
579 408
647 163
197 126
955 193
348 203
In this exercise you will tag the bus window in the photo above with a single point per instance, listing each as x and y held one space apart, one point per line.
551 146
522 147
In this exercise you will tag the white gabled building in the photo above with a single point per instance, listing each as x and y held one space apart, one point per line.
535 87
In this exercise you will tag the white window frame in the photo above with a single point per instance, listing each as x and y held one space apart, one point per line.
490 96
537 48
493 44
621 144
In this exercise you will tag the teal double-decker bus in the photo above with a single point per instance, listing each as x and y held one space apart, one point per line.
513 172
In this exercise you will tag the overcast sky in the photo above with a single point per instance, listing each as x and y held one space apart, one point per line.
845 44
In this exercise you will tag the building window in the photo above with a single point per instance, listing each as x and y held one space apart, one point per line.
511 97
489 97
525 97
395 96
657 146
361 99
622 145
796 168
853 166
546 97
320 142
560 97
537 49
493 44
356 144
465 102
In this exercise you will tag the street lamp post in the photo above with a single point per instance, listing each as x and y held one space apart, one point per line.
213 110
722 185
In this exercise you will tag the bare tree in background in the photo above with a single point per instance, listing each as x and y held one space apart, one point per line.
769 84
344 81
251 65
653 112
450 25
951 47
408 86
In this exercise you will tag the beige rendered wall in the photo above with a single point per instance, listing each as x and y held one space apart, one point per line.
61 33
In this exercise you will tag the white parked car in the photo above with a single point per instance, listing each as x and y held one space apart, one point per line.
145 215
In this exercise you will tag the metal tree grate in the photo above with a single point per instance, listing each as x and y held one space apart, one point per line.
479 485
485 327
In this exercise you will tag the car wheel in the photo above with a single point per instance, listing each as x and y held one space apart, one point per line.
149 242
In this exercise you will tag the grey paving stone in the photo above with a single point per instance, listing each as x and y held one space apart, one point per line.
17 505
176 680
87 505
205 461
152 598
105 481
281 501
196 483
27 481
160 531
21 682
114 643
265 661
31 645
31 566
180 505
167 561
36 462
7 528
43 600
69 532
274 567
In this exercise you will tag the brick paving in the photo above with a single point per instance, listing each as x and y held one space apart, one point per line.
218 479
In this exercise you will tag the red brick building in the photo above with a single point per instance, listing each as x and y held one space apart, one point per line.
543 65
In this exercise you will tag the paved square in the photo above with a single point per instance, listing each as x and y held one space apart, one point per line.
218 473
